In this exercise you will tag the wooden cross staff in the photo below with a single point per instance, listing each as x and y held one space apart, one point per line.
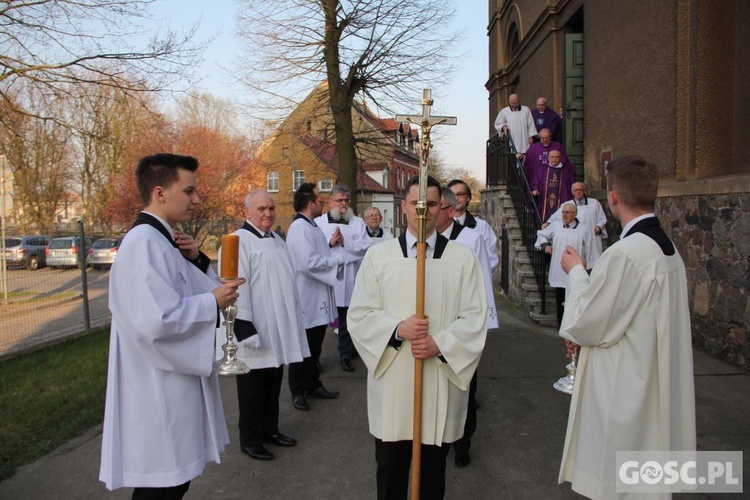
426 122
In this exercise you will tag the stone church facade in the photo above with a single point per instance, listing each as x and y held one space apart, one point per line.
667 80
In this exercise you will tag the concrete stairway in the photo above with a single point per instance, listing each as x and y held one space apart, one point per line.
523 289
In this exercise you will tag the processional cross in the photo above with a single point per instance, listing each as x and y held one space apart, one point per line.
426 121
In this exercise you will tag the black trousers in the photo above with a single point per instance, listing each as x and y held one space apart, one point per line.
462 445
394 463
559 301
304 375
346 346
258 397
168 493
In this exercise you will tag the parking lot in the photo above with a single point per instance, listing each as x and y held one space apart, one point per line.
47 304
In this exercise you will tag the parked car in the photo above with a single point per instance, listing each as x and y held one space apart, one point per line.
26 251
63 252
103 252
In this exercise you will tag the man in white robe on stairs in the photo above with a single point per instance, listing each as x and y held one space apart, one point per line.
389 337
163 417
634 383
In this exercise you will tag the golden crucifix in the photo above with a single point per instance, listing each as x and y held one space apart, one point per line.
426 121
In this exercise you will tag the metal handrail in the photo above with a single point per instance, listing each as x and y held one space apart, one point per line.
501 159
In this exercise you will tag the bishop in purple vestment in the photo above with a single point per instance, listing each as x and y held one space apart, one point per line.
544 117
552 185
536 155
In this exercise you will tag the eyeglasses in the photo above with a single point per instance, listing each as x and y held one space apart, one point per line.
462 194
340 200
375 216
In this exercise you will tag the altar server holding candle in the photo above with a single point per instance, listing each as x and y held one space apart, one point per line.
163 419
269 325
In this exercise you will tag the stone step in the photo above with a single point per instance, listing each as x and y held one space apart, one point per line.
544 319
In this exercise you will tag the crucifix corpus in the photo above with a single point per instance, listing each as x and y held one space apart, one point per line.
426 121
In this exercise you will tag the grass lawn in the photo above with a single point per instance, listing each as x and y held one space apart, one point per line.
49 396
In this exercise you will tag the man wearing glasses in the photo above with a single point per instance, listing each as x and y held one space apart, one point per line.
465 218
448 227
349 241
373 219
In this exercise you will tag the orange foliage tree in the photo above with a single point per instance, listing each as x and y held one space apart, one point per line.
224 176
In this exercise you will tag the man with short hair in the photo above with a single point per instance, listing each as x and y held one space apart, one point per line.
317 271
634 382
373 219
163 416
552 240
448 227
389 337
465 218
351 247
269 326
517 121
544 117
536 155
551 185
591 214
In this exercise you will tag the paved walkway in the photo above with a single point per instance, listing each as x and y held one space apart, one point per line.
516 451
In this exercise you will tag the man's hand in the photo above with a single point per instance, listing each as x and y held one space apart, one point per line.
187 245
413 328
519 156
535 192
597 230
337 238
226 294
571 347
505 129
570 259
548 249
424 347
544 226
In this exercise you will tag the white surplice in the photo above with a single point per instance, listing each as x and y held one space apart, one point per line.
316 271
634 383
270 300
470 238
356 243
520 123
592 214
387 235
163 419
456 304
579 236
488 236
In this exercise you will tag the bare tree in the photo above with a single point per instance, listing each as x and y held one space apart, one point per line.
384 50
53 46
41 157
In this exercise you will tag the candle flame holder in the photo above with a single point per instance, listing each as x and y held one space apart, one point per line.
566 383
230 365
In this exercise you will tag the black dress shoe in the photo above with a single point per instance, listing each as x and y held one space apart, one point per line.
280 439
346 365
463 459
257 452
322 393
300 403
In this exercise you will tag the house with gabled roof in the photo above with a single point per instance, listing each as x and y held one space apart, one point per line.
302 149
